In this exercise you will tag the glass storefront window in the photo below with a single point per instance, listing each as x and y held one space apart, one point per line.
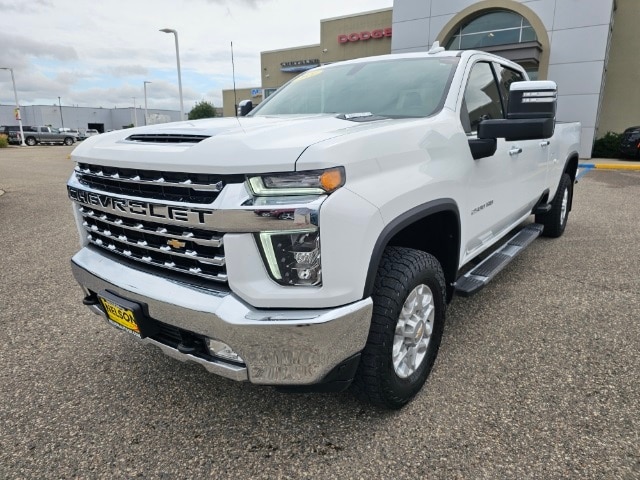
495 28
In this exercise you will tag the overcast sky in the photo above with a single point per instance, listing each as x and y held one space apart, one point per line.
98 53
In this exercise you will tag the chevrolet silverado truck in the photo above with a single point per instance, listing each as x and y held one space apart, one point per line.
315 243
36 135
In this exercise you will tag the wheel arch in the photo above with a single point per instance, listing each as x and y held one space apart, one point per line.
441 219
571 165
571 168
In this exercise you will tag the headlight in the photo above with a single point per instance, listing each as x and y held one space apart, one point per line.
311 182
292 258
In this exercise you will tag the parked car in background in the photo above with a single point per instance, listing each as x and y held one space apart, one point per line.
630 143
91 132
73 131
36 135
13 133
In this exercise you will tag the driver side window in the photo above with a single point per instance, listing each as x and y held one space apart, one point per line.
481 98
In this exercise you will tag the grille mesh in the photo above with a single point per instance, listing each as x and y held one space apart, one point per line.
155 184
197 253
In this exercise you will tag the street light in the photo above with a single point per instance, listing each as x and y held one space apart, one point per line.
15 94
61 120
170 30
145 101
135 115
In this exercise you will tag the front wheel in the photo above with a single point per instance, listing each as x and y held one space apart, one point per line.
406 328
555 220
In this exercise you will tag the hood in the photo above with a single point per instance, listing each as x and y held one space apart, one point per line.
218 145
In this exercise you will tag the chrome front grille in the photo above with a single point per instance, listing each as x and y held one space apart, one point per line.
155 184
194 252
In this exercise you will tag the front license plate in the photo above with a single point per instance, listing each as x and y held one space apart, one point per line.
120 316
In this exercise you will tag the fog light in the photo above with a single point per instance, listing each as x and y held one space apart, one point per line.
292 258
222 350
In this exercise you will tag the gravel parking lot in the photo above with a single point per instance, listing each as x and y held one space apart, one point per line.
537 377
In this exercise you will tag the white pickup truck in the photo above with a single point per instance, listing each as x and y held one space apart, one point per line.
315 243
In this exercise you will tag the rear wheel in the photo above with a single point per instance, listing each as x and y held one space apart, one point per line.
30 141
406 328
555 220
68 141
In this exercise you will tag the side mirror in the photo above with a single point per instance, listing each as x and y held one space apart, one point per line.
244 107
531 113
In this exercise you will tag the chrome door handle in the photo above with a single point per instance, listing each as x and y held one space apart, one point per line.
546 143
515 151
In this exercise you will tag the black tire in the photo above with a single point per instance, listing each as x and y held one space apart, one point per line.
401 271
30 141
555 220
68 141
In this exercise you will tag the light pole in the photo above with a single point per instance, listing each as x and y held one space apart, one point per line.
60 105
15 94
170 30
135 115
145 101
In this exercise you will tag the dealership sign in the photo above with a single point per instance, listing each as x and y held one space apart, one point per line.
366 35
299 65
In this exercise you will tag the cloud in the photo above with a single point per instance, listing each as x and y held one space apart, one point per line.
14 46
229 3
19 5
125 70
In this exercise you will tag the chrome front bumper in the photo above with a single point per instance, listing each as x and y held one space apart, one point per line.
279 347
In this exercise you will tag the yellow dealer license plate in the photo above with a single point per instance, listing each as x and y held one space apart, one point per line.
120 316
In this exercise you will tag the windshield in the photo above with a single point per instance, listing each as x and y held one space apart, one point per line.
407 87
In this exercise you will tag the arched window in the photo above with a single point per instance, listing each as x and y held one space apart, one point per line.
499 27
493 30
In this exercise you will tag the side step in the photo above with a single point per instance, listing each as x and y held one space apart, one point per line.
472 281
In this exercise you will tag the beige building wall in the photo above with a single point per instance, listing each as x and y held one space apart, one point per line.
621 102
272 76
331 30
228 100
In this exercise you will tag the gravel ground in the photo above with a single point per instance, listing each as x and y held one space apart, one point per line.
537 375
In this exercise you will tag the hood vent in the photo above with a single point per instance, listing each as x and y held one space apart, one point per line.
166 138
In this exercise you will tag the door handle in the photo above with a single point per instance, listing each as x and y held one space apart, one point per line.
545 143
515 151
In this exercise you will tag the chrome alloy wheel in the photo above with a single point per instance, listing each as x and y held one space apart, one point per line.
564 207
413 331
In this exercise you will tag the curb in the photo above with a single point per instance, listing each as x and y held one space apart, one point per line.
609 166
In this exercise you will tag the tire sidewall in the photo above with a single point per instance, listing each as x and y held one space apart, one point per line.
400 390
403 388
565 185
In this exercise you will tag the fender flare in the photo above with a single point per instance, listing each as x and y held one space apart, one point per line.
400 223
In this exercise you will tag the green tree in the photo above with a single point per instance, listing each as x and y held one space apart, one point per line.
202 109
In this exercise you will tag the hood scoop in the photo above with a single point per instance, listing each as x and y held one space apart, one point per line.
166 138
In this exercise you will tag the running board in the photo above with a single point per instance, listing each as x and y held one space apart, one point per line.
472 281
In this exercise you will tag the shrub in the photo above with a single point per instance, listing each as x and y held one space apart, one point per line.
4 141
607 146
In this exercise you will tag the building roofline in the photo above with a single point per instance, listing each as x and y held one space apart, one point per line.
291 48
389 9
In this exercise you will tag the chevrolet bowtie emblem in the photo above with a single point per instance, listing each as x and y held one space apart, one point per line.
175 243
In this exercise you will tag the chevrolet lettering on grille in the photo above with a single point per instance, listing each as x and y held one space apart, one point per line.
142 209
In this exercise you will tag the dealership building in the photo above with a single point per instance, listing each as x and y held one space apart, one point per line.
589 47
98 118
